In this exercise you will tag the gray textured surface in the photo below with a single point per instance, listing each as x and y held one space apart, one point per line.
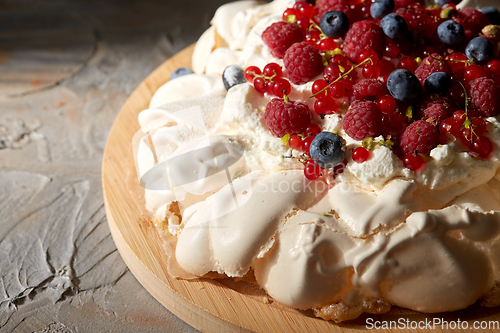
66 67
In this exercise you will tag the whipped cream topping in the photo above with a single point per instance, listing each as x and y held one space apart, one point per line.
380 231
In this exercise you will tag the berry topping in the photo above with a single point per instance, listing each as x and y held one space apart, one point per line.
370 89
312 171
394 26
286 117
327 150
450 32
361 36
181 72
413 161
280 36
473 19
362 120
419 136
334 24
437 83
232 76
404 85
360 155
485 95
381 8
302 62
480 49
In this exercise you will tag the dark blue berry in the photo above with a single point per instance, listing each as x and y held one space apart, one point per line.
381 8
232 76
334 24
480 49
181 72
492 13
404 85
394 26
437 83
450 32
327 150
444 2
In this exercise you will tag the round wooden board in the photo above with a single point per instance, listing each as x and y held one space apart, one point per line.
209 305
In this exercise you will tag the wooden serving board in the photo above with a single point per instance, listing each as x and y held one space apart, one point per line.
206 304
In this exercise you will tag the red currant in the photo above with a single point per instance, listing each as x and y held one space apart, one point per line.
312 130
332 72
306 143
466 137
392 51
305 9
371 72
281 87
325 105
295 142
386 104
317 86
272 69
413 162
290 15
448 130
493 67
251 72
482 146
340 88
360 155
457 61
474 72
260 85
312 171
386 68
327 44
459 117
368 53
408 64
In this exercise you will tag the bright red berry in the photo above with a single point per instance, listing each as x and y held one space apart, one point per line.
281 87
251 72
272 70
260 85
312 130
317 86
419 136
306 143
386 104
302 62
295 142
325 105
485 94
279 36
482 146
408 64
360 155
362 120
361 36
413 162
283 117
311 170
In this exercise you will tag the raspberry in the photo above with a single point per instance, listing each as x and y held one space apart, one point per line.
370 89
485 96
324 6
419 21
435 114
393 124
280 36
364 35
473 19
430 66
362 120
286 117
428 101
420 137
302 62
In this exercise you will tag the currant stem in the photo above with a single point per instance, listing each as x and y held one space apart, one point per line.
369 59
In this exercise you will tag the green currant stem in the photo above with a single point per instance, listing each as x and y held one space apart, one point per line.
369 59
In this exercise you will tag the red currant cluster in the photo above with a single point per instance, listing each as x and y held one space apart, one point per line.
304 14
269 80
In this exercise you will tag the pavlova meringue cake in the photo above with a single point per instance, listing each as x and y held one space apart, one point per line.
341 154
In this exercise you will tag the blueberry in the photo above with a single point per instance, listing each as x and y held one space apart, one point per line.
444 2
450 32
492 13
480 49
404 85
334 24
327 149
437 83
394 26
381 8
181 72
232 76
